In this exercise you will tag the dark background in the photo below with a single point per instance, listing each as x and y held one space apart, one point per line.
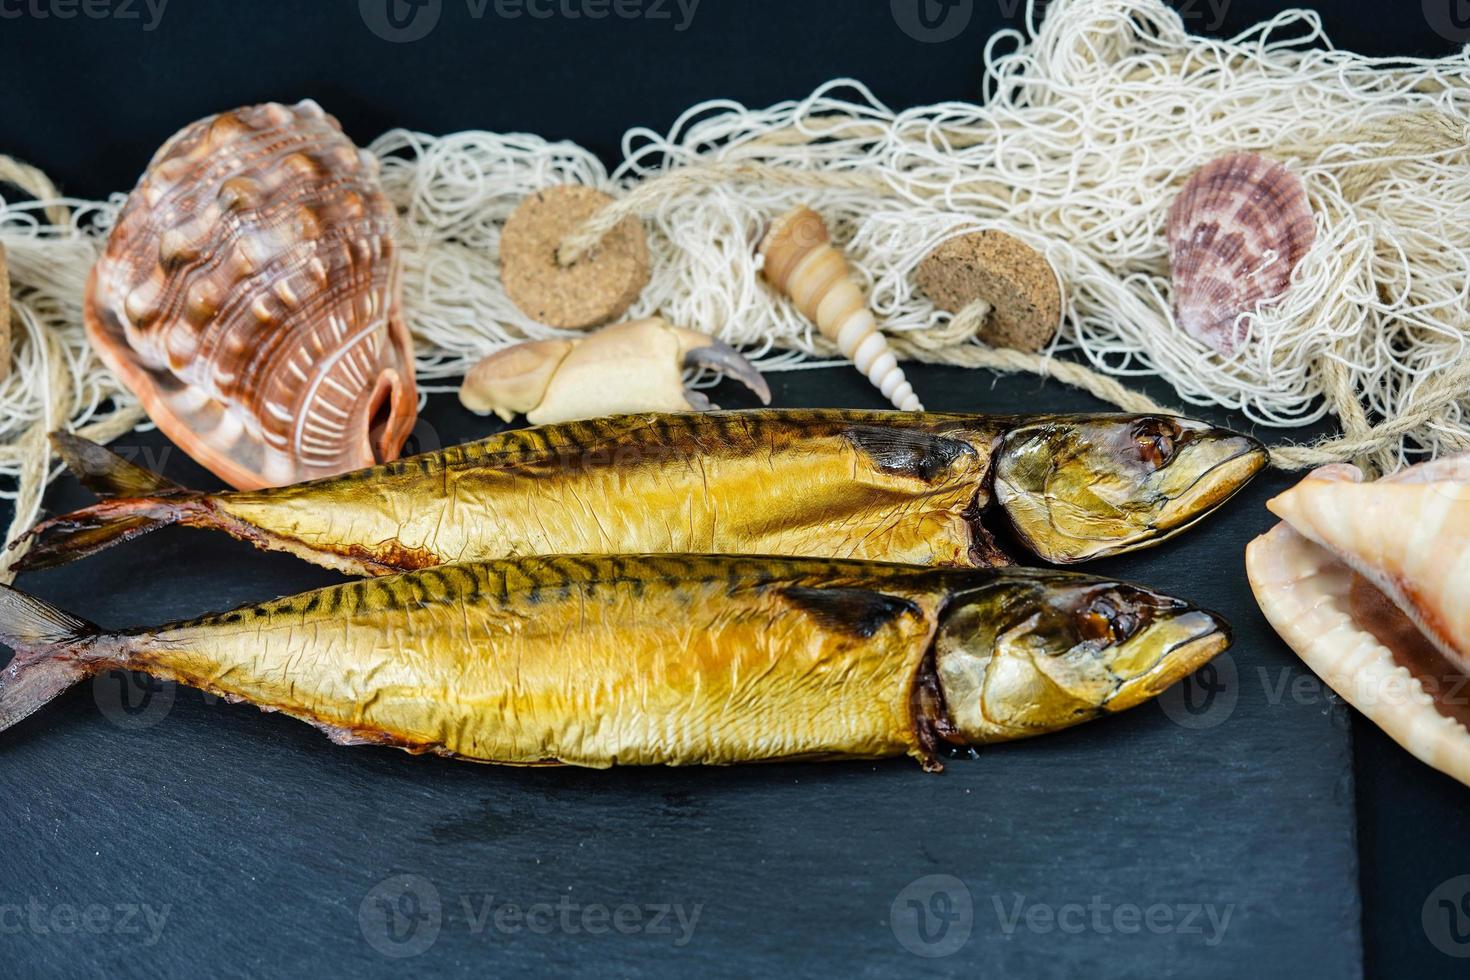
264 840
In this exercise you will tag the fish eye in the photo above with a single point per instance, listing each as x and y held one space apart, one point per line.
1108 620
1157 439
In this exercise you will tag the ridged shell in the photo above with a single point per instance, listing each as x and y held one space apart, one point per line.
802 263
249 296
1238 230
1408 534
1366 582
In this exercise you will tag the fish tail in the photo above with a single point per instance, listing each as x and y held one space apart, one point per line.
53 651
135 501
106 473
59 540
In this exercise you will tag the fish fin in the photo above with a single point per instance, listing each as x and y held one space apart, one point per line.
85 532
861 612
106 473
47 660
908 452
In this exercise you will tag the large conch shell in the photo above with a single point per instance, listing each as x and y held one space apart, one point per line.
801 262
1237 232
619 370
249 296
1368 583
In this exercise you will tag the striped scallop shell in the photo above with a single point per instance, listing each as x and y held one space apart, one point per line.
1236 233
249 296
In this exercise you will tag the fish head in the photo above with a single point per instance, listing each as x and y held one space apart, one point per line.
1037 652
1083 487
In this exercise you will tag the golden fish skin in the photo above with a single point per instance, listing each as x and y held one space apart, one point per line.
886 486
829 484
601 661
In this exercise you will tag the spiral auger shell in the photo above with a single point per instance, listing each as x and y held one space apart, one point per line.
249 296
802 263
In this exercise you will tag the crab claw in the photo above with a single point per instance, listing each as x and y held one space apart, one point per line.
701 351
619 370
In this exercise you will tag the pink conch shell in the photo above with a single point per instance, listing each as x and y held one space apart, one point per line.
1368 584
1236 234
249 296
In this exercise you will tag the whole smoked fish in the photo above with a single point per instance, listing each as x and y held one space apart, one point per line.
885 486
599 661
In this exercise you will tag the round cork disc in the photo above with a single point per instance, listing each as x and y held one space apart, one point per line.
1014 278
597 288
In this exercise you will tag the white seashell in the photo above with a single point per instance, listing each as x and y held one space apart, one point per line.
1367 583
1237 232
801 262
1409 536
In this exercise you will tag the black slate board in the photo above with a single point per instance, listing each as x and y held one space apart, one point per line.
272 850
108 814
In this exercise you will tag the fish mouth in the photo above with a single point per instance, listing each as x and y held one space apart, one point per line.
1104 493
1218 464
1200 636
1191 640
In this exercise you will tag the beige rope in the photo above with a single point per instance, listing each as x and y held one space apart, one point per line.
32 451
954 344
35 183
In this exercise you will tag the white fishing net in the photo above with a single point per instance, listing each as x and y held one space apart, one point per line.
1091 120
